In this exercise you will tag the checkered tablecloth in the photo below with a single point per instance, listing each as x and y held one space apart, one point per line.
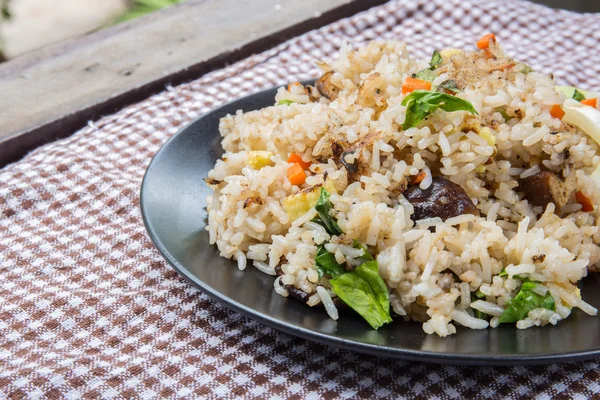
88 308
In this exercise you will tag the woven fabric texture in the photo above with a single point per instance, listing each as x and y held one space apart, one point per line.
89 309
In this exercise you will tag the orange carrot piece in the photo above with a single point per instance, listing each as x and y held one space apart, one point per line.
557 112
296 174
590 102
295 158
412 84
418 178
584 201
484 42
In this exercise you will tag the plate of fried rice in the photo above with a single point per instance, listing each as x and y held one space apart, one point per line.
436 210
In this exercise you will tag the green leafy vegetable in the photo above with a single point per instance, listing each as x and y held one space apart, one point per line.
577 95
286 102
421 103
436 59
369 272
525 301
323 207
504 114
504 273
5 10
366 256
478 314
425 75
449 86
525 69
327 265
365 292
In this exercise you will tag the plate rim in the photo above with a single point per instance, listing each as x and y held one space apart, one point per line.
308 334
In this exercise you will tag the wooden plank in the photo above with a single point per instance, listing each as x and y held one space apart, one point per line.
51 93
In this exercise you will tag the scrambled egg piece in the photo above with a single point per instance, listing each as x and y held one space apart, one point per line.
300 203
447 53
259 159
486 133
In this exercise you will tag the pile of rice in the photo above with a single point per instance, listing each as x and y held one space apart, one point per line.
432 267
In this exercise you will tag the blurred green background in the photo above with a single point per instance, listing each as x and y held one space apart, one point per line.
26 25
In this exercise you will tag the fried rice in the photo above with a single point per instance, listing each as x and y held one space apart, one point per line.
473 216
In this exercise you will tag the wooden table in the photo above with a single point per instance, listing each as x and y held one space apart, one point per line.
53 92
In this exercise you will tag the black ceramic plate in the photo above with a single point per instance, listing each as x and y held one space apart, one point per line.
173 201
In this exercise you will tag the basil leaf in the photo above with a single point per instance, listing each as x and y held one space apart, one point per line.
425 75
366 256
323 207
286 102
525 301
428 74
327 265
365 292
577 95
421 103
436 59
450 86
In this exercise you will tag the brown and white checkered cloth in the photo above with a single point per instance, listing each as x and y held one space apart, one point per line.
88 308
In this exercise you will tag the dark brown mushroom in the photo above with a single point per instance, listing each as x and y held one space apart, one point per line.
443 199
546 187
326 87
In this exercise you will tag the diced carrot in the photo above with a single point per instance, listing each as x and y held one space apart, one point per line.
484 42
586 203
296 174
557 112
412 84
418 178
590 102
295 158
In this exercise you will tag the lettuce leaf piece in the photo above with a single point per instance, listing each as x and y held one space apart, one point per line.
369 272
421 103
526 300
323 207
365 292
327 265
